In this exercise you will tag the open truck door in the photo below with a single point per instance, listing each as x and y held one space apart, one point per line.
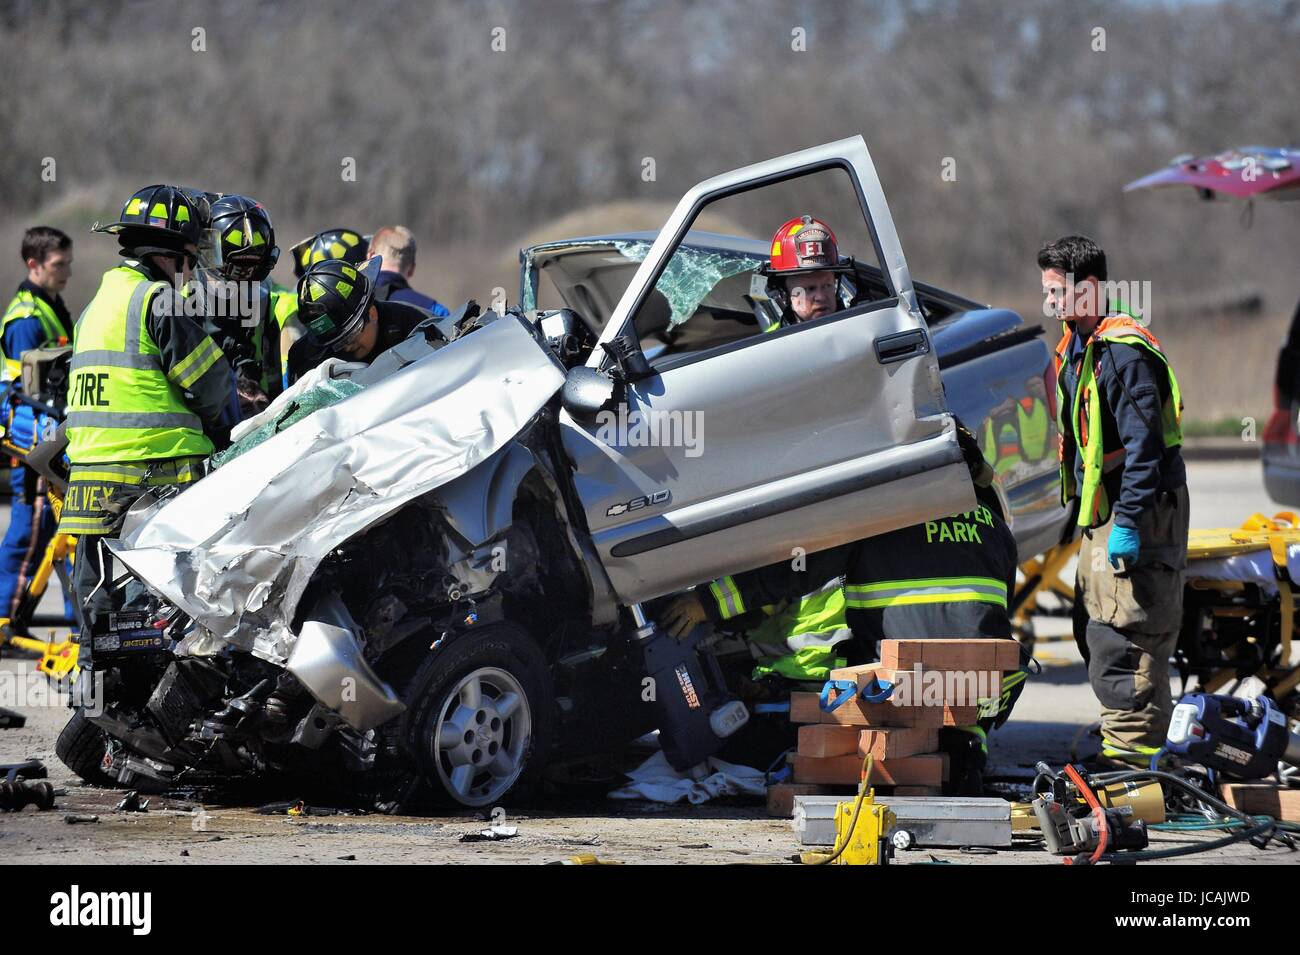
733 455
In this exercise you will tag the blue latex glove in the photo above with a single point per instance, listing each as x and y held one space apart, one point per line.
1123 545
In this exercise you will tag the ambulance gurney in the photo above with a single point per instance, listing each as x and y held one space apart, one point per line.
1239 608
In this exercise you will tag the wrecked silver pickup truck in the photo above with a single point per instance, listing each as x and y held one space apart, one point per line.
439 579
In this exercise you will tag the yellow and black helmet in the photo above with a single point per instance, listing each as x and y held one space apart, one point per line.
241 240
347 245
162 216
333 298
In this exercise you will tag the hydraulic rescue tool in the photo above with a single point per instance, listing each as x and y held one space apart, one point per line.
1245 739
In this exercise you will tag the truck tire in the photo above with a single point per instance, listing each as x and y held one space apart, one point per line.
80 747
480 718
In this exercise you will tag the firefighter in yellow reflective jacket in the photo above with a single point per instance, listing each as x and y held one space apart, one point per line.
284 309
1119 410
244 312
1016 432
35 318
945 578
147 385
797 639
346 245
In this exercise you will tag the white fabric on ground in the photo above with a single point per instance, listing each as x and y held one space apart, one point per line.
657 781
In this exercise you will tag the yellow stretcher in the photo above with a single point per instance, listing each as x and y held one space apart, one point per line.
1240 605
57 659
1042 575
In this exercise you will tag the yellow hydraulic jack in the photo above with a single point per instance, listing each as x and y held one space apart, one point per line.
862 829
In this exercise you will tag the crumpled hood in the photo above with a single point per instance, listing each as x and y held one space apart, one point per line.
237 550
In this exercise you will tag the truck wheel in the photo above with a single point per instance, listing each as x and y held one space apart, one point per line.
80 747
480 717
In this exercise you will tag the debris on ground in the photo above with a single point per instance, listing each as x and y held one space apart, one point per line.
14 796
299 807
133 803
491 834
584 860
27 769
76 818
657 781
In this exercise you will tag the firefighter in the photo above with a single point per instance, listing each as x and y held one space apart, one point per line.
147 385
804 272
949 578
1016 432
35 318
349 245
1119 413
245 312
336 303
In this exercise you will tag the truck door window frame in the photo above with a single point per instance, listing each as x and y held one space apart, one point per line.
709 199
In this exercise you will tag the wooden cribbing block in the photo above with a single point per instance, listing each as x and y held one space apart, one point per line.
927 770
863 674
957 715
893 743
858 713
820 740
805 708
927 684
1262 799
950 654
780 797
824 739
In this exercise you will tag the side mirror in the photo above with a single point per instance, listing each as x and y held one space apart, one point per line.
586 392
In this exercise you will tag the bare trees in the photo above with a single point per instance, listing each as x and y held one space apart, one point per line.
996 124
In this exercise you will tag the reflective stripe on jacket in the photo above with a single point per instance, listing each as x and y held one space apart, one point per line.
27 305
125 401
1084 428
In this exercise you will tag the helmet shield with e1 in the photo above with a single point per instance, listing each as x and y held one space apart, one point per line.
801 246
805 245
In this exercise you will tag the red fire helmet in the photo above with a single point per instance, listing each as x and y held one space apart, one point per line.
805 244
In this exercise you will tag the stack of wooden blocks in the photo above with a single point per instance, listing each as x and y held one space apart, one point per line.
1263 799
903 740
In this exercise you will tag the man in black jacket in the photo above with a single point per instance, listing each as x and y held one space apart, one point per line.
336 304
1119 412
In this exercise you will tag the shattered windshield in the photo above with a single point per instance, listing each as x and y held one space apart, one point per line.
329 392
690 275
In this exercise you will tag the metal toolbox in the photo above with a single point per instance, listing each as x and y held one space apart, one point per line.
932 821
